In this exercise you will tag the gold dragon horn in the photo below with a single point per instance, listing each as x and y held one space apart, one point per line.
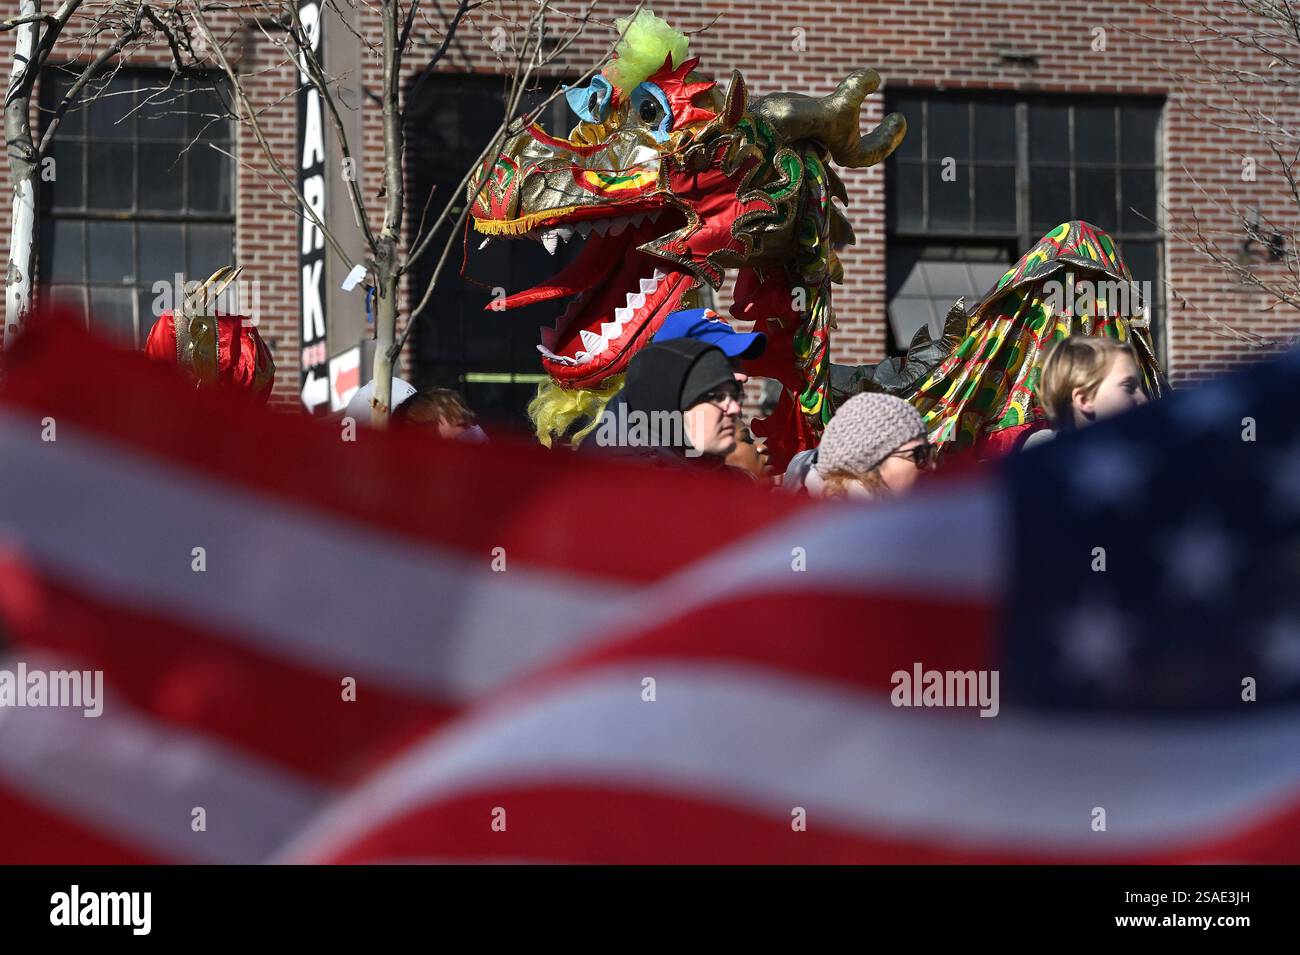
833 120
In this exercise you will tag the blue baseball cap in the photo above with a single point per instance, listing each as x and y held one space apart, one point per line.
706 325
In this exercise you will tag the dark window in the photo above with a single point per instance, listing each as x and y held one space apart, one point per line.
981 177
138 194
489 356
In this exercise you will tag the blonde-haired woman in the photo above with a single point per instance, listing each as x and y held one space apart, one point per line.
1084 379
875 446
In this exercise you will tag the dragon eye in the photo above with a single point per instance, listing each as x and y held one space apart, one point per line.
651 106
590 102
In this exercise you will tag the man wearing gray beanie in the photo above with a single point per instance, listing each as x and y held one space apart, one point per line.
874 446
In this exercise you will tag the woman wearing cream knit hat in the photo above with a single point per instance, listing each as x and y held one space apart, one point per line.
874 446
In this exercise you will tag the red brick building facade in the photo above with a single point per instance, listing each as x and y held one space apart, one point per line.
1002 61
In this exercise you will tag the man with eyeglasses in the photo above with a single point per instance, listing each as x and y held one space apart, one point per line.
683 396
695 324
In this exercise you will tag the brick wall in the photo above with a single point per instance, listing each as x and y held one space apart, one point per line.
926 44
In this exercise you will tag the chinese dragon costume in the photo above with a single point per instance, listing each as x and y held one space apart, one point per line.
672 183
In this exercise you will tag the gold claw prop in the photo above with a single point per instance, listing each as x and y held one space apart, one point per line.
209 291
833 121
196 327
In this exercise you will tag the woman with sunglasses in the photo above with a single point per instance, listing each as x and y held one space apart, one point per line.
875 446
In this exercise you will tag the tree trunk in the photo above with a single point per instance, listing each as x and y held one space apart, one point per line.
386 264
22 171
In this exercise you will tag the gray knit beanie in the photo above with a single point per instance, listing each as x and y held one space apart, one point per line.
865 430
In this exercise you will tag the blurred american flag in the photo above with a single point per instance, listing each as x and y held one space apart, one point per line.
559 659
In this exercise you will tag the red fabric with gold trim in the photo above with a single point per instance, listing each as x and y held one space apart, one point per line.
244 361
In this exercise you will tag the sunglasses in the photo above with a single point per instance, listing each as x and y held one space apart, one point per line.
923 455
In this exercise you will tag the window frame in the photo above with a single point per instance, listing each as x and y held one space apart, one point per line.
1026 233
187 218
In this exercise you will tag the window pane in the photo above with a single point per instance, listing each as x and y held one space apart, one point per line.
151 304
54 86
112 111
161 176
949 201
906 316
209 180
1049 134
1097 197
995 198
162 110
1094 134
65 189
112 313
905 201
949 130
910 148
209 113
62 252
71 295
1049 197
1142 259
947 281
1138 211
111 173
902 273
210 248
995 131
162 252
1137 133
111 250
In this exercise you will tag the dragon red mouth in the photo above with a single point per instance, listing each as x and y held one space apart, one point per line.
622 294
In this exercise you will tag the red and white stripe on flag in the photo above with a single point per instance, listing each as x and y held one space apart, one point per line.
503 714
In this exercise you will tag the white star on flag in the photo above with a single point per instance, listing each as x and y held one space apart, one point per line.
1106 471
1199 560
1094 642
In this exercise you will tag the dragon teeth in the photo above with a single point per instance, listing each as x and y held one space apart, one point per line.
551 241
584 229
634 302
484 244
610 330
621 315
649 285
618 226
601 226
660 275
591 339
560 359
638 220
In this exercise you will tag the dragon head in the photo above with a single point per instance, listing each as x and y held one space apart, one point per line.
670 183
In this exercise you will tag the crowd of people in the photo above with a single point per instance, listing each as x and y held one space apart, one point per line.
681 407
